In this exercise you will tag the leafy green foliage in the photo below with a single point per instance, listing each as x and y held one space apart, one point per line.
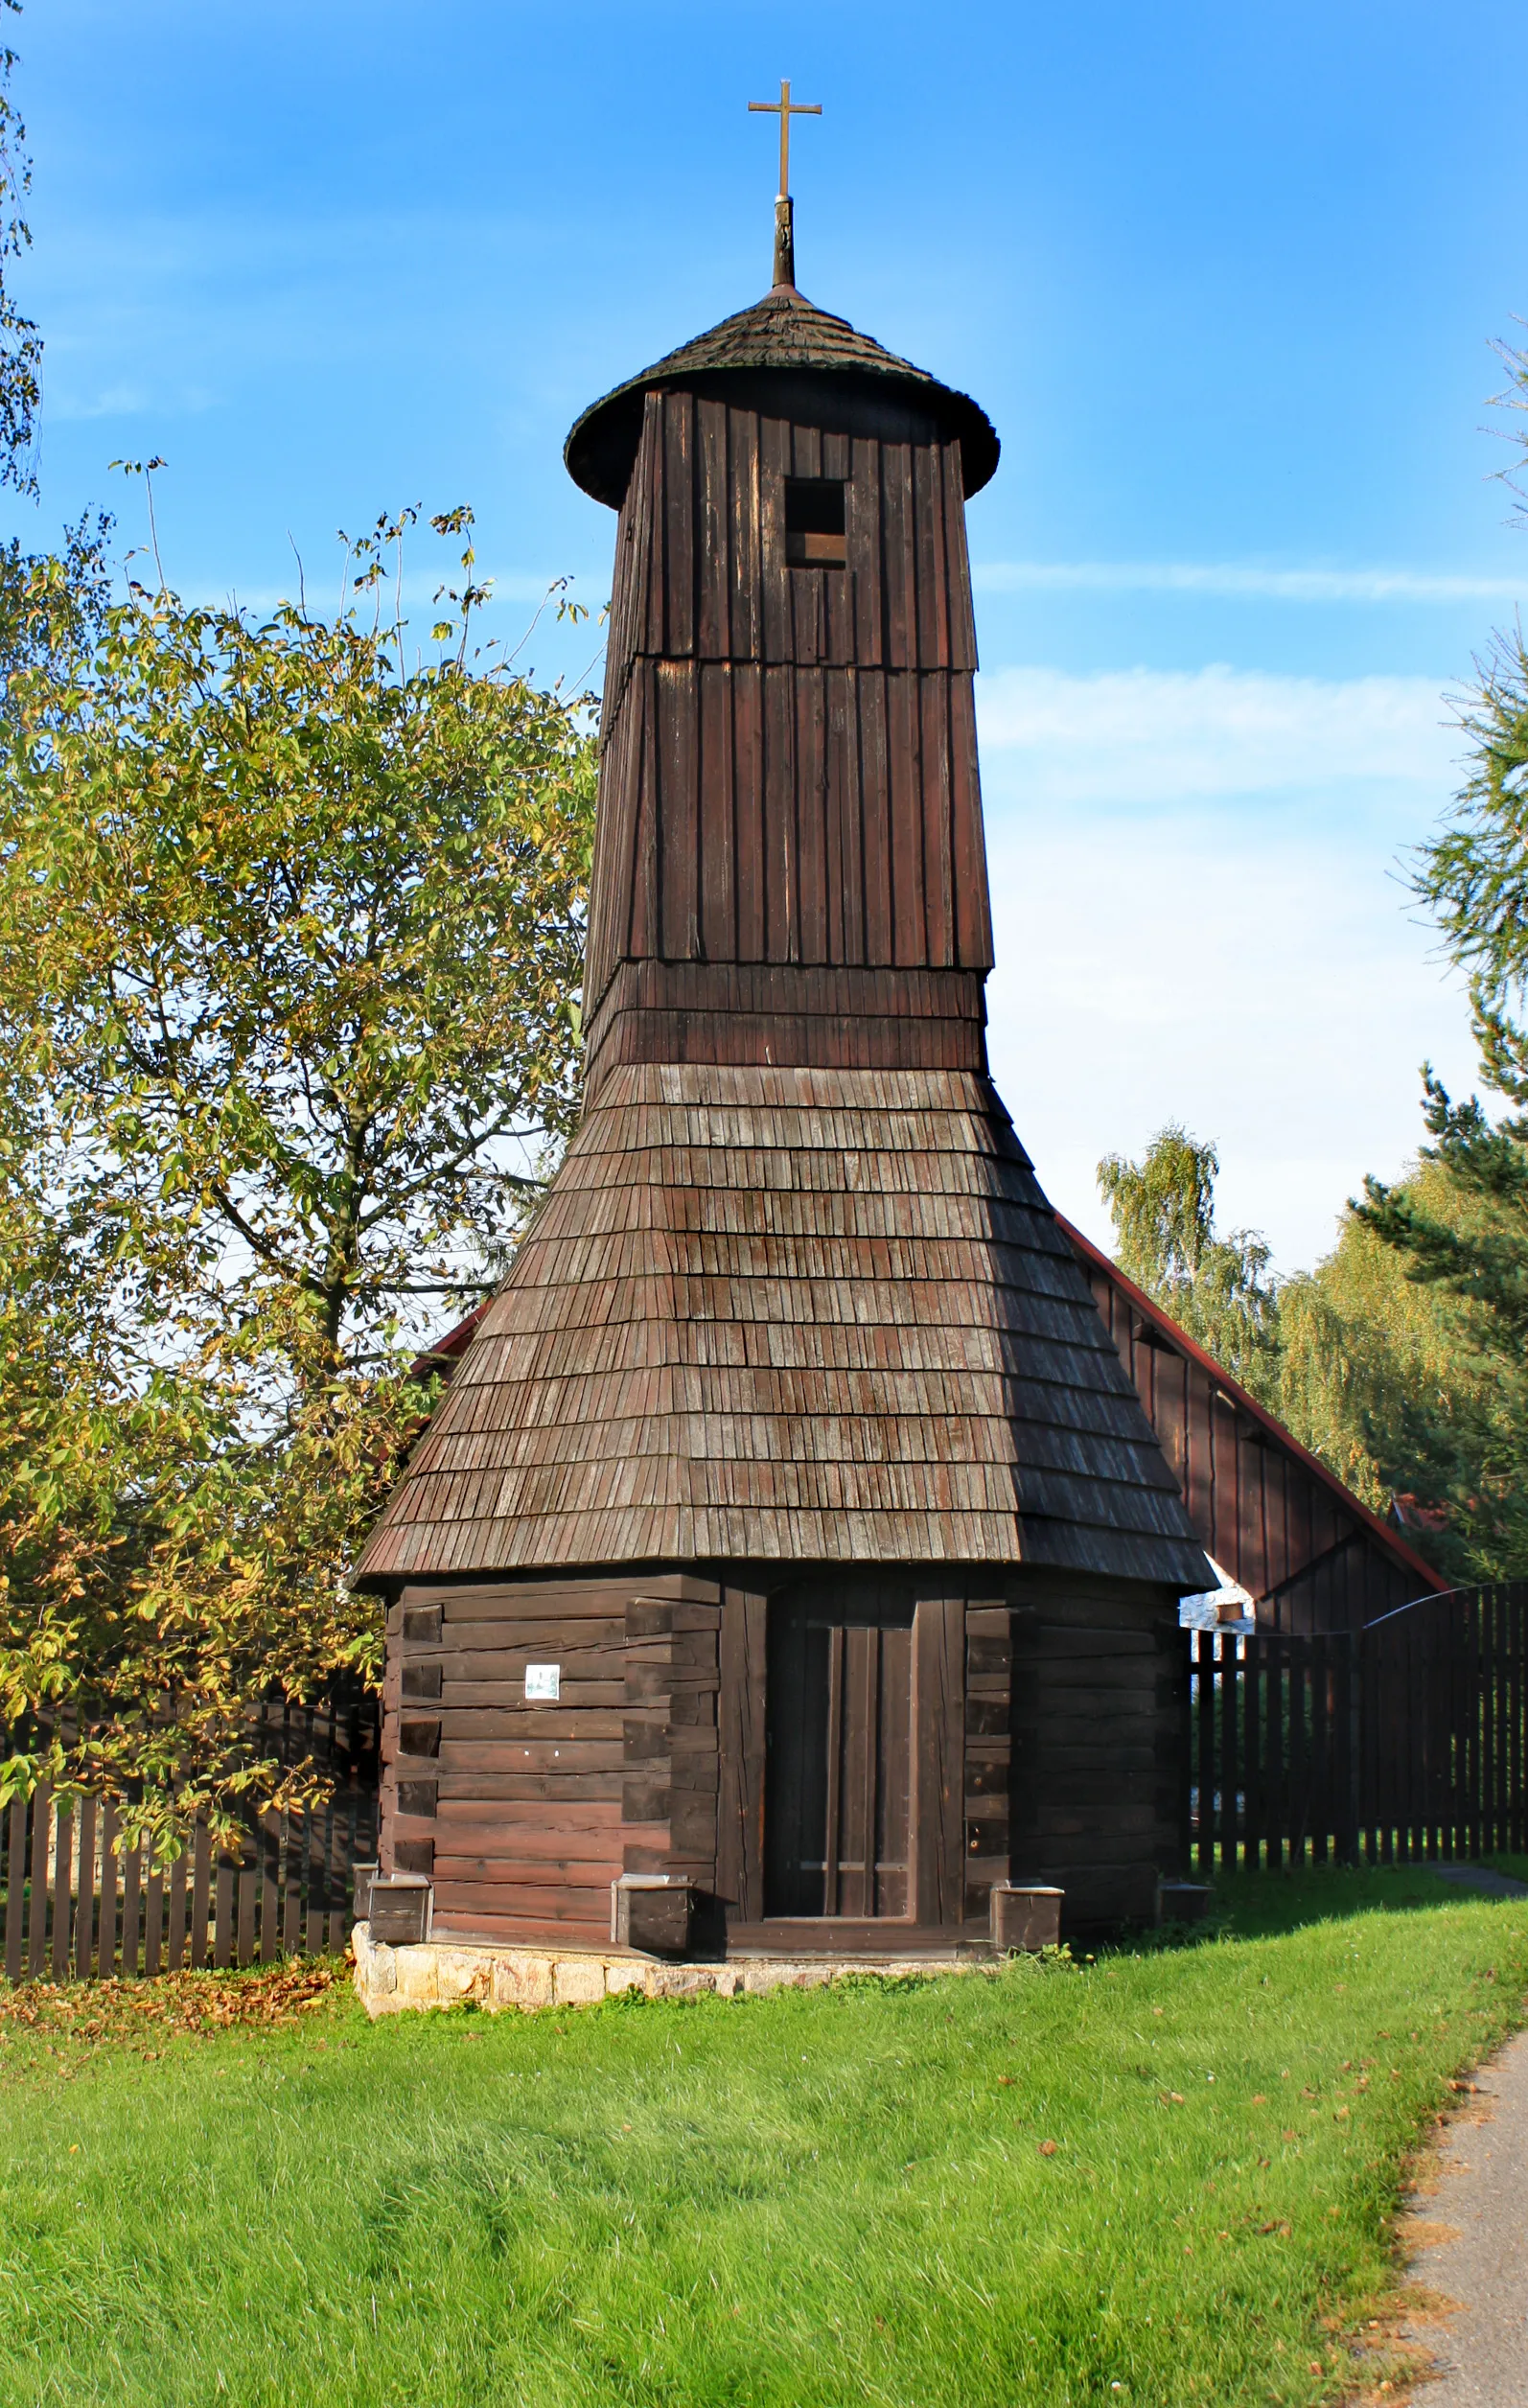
20 343
291 943
1372 1363
1460 1232
1217 1288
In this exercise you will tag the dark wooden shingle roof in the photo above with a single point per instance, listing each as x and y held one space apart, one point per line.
789 1314
782 334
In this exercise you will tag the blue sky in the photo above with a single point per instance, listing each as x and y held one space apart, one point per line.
1225 279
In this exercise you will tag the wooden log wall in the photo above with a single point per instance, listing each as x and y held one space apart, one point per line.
1098 1675
790 767
1047 1747
523 1812
988 1753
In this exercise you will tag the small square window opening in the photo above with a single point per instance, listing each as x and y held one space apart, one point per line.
814 522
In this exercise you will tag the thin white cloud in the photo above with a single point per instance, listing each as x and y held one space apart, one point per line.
1177 941
115 401
1230 580
1143 736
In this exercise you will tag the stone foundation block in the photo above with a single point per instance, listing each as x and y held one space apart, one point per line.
523 1982
460 1973
578 1981
415 1984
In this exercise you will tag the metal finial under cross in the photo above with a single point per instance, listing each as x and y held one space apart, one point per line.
785 109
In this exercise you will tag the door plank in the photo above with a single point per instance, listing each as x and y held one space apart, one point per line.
938 1721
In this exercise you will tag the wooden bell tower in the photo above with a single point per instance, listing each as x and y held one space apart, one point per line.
789 864
790 1534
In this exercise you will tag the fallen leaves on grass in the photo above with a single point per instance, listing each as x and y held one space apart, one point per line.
88 2015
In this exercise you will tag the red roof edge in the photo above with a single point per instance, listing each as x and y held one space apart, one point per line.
1248 1403
446 1351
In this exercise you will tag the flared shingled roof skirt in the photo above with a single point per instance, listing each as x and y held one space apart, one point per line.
800 1315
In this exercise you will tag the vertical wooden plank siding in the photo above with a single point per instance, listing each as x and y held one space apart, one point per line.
938 1725
1284 1530
988 1753
742 1705
784 809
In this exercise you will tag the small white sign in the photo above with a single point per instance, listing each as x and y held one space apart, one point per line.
544 1681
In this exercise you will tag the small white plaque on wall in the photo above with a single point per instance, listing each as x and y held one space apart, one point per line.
544 1681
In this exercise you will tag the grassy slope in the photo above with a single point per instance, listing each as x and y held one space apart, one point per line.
804 2199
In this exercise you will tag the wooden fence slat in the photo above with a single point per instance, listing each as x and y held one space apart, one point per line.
200 1899
314 1880
84 1920
1518 1821
1320 1760
1252 1753
62 1890
222 1930
131 1911
177 1875
246 1916
1230 1686
153 1920
1204 1703
291 1889
267 1845
1347 1753
1274 1755
1299 1791
1500 1727
15 1886
37 1903
107 1942
1468 1739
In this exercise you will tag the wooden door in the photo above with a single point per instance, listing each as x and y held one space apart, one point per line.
839 1760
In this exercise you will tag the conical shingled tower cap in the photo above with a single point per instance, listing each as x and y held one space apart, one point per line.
782 334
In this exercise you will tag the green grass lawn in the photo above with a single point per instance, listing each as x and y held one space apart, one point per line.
1159 2177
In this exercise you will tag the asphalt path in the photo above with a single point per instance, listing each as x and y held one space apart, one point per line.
1469 2231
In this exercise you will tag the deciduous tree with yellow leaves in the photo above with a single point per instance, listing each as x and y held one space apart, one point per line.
291 945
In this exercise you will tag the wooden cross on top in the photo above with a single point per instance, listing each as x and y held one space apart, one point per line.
785 109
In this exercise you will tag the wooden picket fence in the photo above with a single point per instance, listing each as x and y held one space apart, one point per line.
77 1905
1405 1742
